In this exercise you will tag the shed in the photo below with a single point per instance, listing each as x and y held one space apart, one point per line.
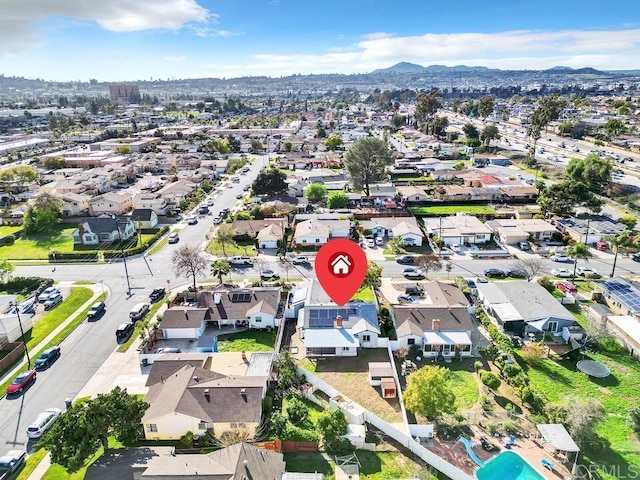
388 387
557 436
378 371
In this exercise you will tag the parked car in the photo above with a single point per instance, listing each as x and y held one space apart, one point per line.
43 423
46 358
10 463
413 273
371 243
481 280
96 311
516 273
21 382
405 259
204 210
246 188
239 196
561 272
217 220
524 246
124 331
601 245
240 260
46 293
53 301
157 294
192 221
406 298
269 274
379 241
636 257
517 342
566 287
455 247
138 311
414 290
494 273
587 272
173 238
300 260
561 257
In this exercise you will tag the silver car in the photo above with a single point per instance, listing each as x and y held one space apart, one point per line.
43 423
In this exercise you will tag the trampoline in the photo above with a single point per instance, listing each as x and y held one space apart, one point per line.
593 368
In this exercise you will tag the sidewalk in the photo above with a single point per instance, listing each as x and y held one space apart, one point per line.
35 351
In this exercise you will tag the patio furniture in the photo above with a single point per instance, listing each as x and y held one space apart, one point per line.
546 463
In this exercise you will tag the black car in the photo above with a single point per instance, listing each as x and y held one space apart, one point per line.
516 273
96 311
636 257
494 273
405 259
157 294
47 357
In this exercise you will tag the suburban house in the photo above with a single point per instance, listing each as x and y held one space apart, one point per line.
94 231
256 307
318 232
626 330
184 322
621 296
268 232
441 325
590 229
405 227
460 229
409 232
74 204
110 203
174 192
295 187
270 236
412 194
154 201
512 231
193 399
524 307
457 193
379 193
144 218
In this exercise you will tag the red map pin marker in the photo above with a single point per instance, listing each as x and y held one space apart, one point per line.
341 266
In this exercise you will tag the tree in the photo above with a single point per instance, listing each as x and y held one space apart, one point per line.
429 262
396 245
288 146
256 145
532 267
459 165
427 104
79 431
486 105
288 378
287 266
334 142
580 417
373 277
270 182
321 133
123 150
189 261
629 220
561 198
490 132
6 269
224 236
297 410
332 425
315 191
54 163
337 200
397 120
592 171
17 177
614 127
366 161
626 239
470 131
578 251
220 268
429 392
44 213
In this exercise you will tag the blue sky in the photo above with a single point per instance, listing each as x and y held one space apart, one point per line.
140 39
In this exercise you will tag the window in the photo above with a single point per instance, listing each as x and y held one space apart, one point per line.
345 349
202 426
317 240
366 338
304 240
258 320
411 341
152 428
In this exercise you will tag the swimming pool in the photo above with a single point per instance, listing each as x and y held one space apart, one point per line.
508 466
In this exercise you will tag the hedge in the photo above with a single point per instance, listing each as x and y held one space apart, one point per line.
490 379
92 255
26 284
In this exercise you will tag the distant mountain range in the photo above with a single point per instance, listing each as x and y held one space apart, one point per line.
406 67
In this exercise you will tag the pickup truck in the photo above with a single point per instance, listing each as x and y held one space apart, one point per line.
240 261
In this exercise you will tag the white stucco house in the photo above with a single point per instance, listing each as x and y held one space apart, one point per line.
184 322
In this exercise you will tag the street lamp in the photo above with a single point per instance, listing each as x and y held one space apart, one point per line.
26 350
124 257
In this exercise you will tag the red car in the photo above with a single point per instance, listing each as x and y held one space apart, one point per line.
21 382
566 287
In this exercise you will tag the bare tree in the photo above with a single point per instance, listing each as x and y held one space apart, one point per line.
595 330
429 262
189 261
532 267
286 265
260 263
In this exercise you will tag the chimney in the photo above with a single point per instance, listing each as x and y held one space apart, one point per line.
243 392
338 321
196 378
81 233
217 298
435 324
186 314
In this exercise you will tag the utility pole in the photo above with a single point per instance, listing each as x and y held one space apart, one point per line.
26 350
124 258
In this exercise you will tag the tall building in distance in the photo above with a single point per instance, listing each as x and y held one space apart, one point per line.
124 93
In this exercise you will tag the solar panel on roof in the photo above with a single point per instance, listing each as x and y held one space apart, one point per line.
240 297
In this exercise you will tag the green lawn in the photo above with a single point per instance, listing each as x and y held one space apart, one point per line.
616 393
243 248
9 230
465 387
57 472
314 409
32 462
37 247
436 210
365 295
249 341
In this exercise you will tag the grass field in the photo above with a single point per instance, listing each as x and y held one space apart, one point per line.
249 341
437 210
215 248
57 472
464 385
364 295
9 230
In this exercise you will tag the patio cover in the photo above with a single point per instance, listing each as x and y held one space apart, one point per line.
447 338
557 436
539 324
329 337
506 312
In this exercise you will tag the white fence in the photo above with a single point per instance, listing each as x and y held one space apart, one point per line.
405 440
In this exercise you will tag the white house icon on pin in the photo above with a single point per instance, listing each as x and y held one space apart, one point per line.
341 265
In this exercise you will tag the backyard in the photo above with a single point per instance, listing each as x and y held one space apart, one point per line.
249 341
437 210
364 295
349 375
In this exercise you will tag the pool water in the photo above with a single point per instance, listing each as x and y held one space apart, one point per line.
508 466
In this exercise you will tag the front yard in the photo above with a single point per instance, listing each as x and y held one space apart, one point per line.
249 341
232 249
349 375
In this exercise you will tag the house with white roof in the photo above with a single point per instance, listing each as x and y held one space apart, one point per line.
318 232
512 231
459 229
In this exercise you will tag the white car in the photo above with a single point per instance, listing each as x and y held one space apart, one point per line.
371 243
560 257
455 247
561 272
413 273
587 271
48 292
43 423
269 274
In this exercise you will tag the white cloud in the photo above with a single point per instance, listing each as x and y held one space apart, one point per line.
181 58
202 31
519 49
19 17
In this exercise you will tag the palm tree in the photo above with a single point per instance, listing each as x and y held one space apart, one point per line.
578 251
626 239
219 268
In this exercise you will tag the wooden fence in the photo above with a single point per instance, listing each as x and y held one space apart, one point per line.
16 350
288 447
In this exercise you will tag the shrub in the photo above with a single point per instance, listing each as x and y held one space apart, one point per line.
297 411
633 419
532 354
297 434
8 240
510 426
547 283
490 379
277 424
486 404
477 365
493 428
26 284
